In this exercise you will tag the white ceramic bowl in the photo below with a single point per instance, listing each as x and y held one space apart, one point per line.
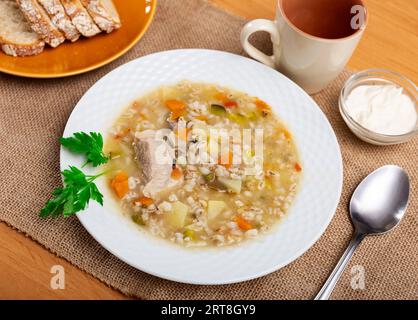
308 218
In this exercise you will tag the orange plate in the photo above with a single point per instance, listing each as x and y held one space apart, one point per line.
87 53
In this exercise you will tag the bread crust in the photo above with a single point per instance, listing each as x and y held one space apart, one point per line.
101 15
60 19
16 37
21 50
40 22
80 18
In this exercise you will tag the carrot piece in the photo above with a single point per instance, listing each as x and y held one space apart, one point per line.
176 174
121 188
144 201
298 168
175 114
201 118
227 103
121 176
229 161
175 105
221 96
120 184
286 134
230 104
263 106
243 224
122 134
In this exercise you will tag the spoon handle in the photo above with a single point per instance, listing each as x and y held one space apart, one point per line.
328 287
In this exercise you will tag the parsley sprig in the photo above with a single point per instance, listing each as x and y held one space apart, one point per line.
89 144
79 188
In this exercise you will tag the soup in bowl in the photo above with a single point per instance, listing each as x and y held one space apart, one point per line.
202 165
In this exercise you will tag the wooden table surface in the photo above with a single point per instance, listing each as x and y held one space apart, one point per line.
391 41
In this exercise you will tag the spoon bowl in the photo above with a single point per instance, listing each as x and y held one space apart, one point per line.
380 201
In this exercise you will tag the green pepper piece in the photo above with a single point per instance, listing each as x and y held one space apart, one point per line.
218 110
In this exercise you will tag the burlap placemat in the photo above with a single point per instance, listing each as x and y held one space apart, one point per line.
33 116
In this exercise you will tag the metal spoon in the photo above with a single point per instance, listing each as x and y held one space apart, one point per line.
376 207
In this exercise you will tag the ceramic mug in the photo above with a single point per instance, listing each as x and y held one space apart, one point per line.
312 40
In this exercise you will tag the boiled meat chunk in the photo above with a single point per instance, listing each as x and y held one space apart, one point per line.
156 158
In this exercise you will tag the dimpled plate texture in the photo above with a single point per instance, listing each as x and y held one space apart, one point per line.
313 207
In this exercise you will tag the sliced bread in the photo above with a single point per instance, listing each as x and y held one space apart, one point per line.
16 36
103 13
60 19
40 22
80 18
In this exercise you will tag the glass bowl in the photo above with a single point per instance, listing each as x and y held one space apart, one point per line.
377 77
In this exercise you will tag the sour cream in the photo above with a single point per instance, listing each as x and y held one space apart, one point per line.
383 109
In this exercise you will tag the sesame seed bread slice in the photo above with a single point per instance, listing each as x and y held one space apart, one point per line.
103 13
60 19
80 18
16 36
40 22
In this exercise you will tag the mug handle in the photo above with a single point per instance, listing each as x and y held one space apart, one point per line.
260 25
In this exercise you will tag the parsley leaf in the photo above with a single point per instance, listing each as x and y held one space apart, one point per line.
79 188
75 196
89 144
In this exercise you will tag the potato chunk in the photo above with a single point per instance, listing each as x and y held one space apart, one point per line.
177 218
